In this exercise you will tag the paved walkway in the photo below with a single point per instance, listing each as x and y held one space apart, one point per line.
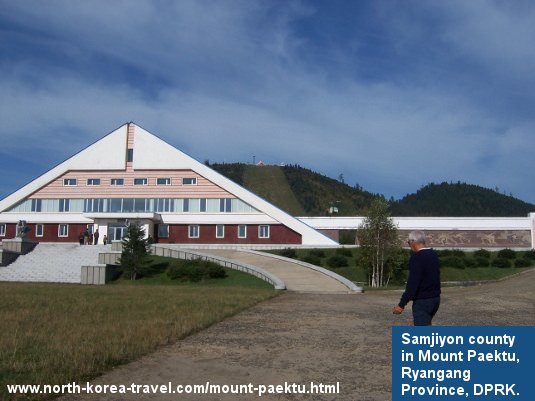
296 277
324 338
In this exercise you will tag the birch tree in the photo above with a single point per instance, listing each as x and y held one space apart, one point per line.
379 242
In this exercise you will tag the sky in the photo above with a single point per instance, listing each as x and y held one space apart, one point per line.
392 95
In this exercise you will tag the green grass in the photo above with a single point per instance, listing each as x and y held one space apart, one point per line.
57 334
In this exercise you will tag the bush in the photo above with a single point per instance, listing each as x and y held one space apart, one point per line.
524 262
344 252
312 259
501 262
195 270
337 261
453 261
288 253
458 253
530 254
320 253
482 261
506 254
470 262
482 253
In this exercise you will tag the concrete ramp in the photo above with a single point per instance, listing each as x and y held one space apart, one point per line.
297 276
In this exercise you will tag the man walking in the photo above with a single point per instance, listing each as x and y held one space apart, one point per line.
423 283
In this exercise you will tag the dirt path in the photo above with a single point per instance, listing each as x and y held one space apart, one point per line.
314 337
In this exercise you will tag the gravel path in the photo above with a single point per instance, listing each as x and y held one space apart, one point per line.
322 338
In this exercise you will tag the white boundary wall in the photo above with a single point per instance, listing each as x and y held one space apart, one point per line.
432 223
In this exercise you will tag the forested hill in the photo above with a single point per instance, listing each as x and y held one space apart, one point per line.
302 192
459 199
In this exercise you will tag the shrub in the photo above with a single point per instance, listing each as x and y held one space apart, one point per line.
320 253
501 262
195 270
337 261
530 254
506 254
470 262
453 261
523 262
482 261
312 259
458 253
184 271
443 252
482 253
344 252
288 253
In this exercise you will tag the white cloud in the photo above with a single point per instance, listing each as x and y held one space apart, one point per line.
226 80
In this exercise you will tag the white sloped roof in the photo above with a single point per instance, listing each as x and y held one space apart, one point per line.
152 153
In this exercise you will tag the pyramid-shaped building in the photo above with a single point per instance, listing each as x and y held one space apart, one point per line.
132 175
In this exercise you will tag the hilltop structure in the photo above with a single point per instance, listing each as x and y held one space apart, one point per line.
132 175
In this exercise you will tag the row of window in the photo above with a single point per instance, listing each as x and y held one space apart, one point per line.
194 231
72 182
63 230
135 205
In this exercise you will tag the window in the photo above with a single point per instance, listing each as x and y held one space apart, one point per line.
117 181
164 204
36 205
193 231
93 181
63 230
225 205
39 230
242 231
189 181
70 182
130 155
220 231
185 205
141 181
263 231
163 230
163 181
203 205
64 205
3 230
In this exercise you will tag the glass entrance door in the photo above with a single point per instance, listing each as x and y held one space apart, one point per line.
116 232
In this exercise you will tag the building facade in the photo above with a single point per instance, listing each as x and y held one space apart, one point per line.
131 175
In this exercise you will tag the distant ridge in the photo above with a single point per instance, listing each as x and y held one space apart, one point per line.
460 200
303 192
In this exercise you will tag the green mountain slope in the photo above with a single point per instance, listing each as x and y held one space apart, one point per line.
303 192
447 199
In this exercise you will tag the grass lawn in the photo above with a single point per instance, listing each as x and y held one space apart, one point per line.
57 334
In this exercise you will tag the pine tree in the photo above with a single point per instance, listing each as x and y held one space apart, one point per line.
136 248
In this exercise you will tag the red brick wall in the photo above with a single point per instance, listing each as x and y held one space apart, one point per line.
50 232
279 234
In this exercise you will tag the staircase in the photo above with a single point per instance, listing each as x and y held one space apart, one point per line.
53 262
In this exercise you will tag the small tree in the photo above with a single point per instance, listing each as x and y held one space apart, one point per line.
135 250
379 242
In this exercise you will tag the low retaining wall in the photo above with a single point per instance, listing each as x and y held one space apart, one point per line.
448 232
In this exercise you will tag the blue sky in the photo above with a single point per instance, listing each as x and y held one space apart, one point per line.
391 94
